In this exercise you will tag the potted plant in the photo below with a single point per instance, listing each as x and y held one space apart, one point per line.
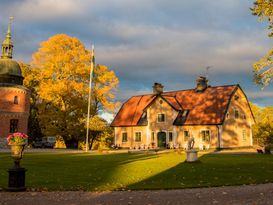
17 142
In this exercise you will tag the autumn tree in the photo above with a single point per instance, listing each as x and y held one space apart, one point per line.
30 82
263 129
63 65
263 68
100 132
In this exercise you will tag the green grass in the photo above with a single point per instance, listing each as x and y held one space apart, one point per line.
97 172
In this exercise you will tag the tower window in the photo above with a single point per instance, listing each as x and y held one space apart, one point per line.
13 125
15 100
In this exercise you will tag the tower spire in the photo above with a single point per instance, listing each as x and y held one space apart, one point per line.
7 46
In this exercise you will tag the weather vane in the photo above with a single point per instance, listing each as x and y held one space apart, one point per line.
10 19
207 71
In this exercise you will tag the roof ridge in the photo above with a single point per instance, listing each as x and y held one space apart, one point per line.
172 91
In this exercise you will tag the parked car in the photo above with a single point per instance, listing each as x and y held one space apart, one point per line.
46 142
37 144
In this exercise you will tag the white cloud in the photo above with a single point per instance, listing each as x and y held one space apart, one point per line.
180 50
37 10
260 94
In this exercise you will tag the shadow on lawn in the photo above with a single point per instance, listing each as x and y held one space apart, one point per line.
112 167
212 170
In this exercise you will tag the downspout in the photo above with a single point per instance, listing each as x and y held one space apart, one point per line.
219 129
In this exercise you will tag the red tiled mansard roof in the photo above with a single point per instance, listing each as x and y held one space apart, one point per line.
202 108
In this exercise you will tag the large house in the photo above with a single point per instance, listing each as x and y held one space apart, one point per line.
217 117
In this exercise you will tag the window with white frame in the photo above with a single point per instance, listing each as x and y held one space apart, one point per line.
227 116
137 136
170 136
161 117
124 137
205 135
186 135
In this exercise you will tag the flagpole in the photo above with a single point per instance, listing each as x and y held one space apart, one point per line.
89 98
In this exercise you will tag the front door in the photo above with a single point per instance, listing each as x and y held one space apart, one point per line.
161 139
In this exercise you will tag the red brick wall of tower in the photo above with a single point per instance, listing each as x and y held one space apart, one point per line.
12 108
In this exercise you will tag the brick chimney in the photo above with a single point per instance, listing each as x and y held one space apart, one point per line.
158 88
201 84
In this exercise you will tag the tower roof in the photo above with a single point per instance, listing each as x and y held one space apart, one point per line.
10 71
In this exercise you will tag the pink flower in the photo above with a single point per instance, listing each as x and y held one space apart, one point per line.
17 138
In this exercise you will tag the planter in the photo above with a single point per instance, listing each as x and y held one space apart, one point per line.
16 174
17 153
192 155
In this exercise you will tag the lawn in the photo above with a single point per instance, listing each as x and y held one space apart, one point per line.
97 172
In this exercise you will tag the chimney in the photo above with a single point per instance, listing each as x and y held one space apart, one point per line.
158 88
201 84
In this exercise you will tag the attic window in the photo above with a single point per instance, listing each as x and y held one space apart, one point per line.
160 101
236 97
161 118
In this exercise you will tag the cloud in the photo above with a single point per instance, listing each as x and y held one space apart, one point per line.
260 95
40 10
146 41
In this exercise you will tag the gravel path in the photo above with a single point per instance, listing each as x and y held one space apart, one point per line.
250 194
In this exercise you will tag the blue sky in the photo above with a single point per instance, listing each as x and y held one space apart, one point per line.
147 41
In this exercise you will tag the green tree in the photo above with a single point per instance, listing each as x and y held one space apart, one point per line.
63 65
263 70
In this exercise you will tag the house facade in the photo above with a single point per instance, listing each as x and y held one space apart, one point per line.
217 117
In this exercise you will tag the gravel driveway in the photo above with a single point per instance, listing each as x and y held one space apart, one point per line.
250 194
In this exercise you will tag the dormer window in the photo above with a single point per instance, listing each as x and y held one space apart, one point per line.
143 119
15 100
161 117
144 115
184 113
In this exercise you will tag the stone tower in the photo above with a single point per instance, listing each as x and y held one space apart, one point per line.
14 97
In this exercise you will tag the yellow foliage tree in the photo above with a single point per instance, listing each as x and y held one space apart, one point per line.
263 68
30 81
63 65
